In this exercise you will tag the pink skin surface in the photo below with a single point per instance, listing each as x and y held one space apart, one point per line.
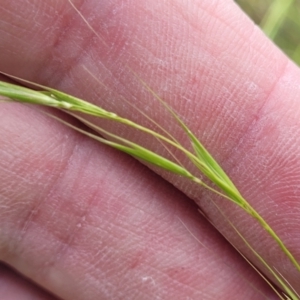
87 222
14 287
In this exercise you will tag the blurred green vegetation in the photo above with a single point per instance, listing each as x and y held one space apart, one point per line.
280 20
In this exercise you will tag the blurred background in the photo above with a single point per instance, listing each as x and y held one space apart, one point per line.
280 20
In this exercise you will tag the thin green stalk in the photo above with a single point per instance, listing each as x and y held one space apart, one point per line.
287 289
274 17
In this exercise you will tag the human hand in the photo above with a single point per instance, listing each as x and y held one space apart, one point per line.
86 222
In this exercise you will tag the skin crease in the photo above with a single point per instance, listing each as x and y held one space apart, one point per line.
17 288
86 222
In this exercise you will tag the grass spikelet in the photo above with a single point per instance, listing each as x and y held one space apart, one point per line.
201 158
219 181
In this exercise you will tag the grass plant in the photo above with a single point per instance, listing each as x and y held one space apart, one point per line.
216 181
220 183
279 19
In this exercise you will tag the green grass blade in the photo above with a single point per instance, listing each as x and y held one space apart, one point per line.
274 17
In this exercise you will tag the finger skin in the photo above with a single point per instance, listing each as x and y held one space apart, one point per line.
14 287
235 90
